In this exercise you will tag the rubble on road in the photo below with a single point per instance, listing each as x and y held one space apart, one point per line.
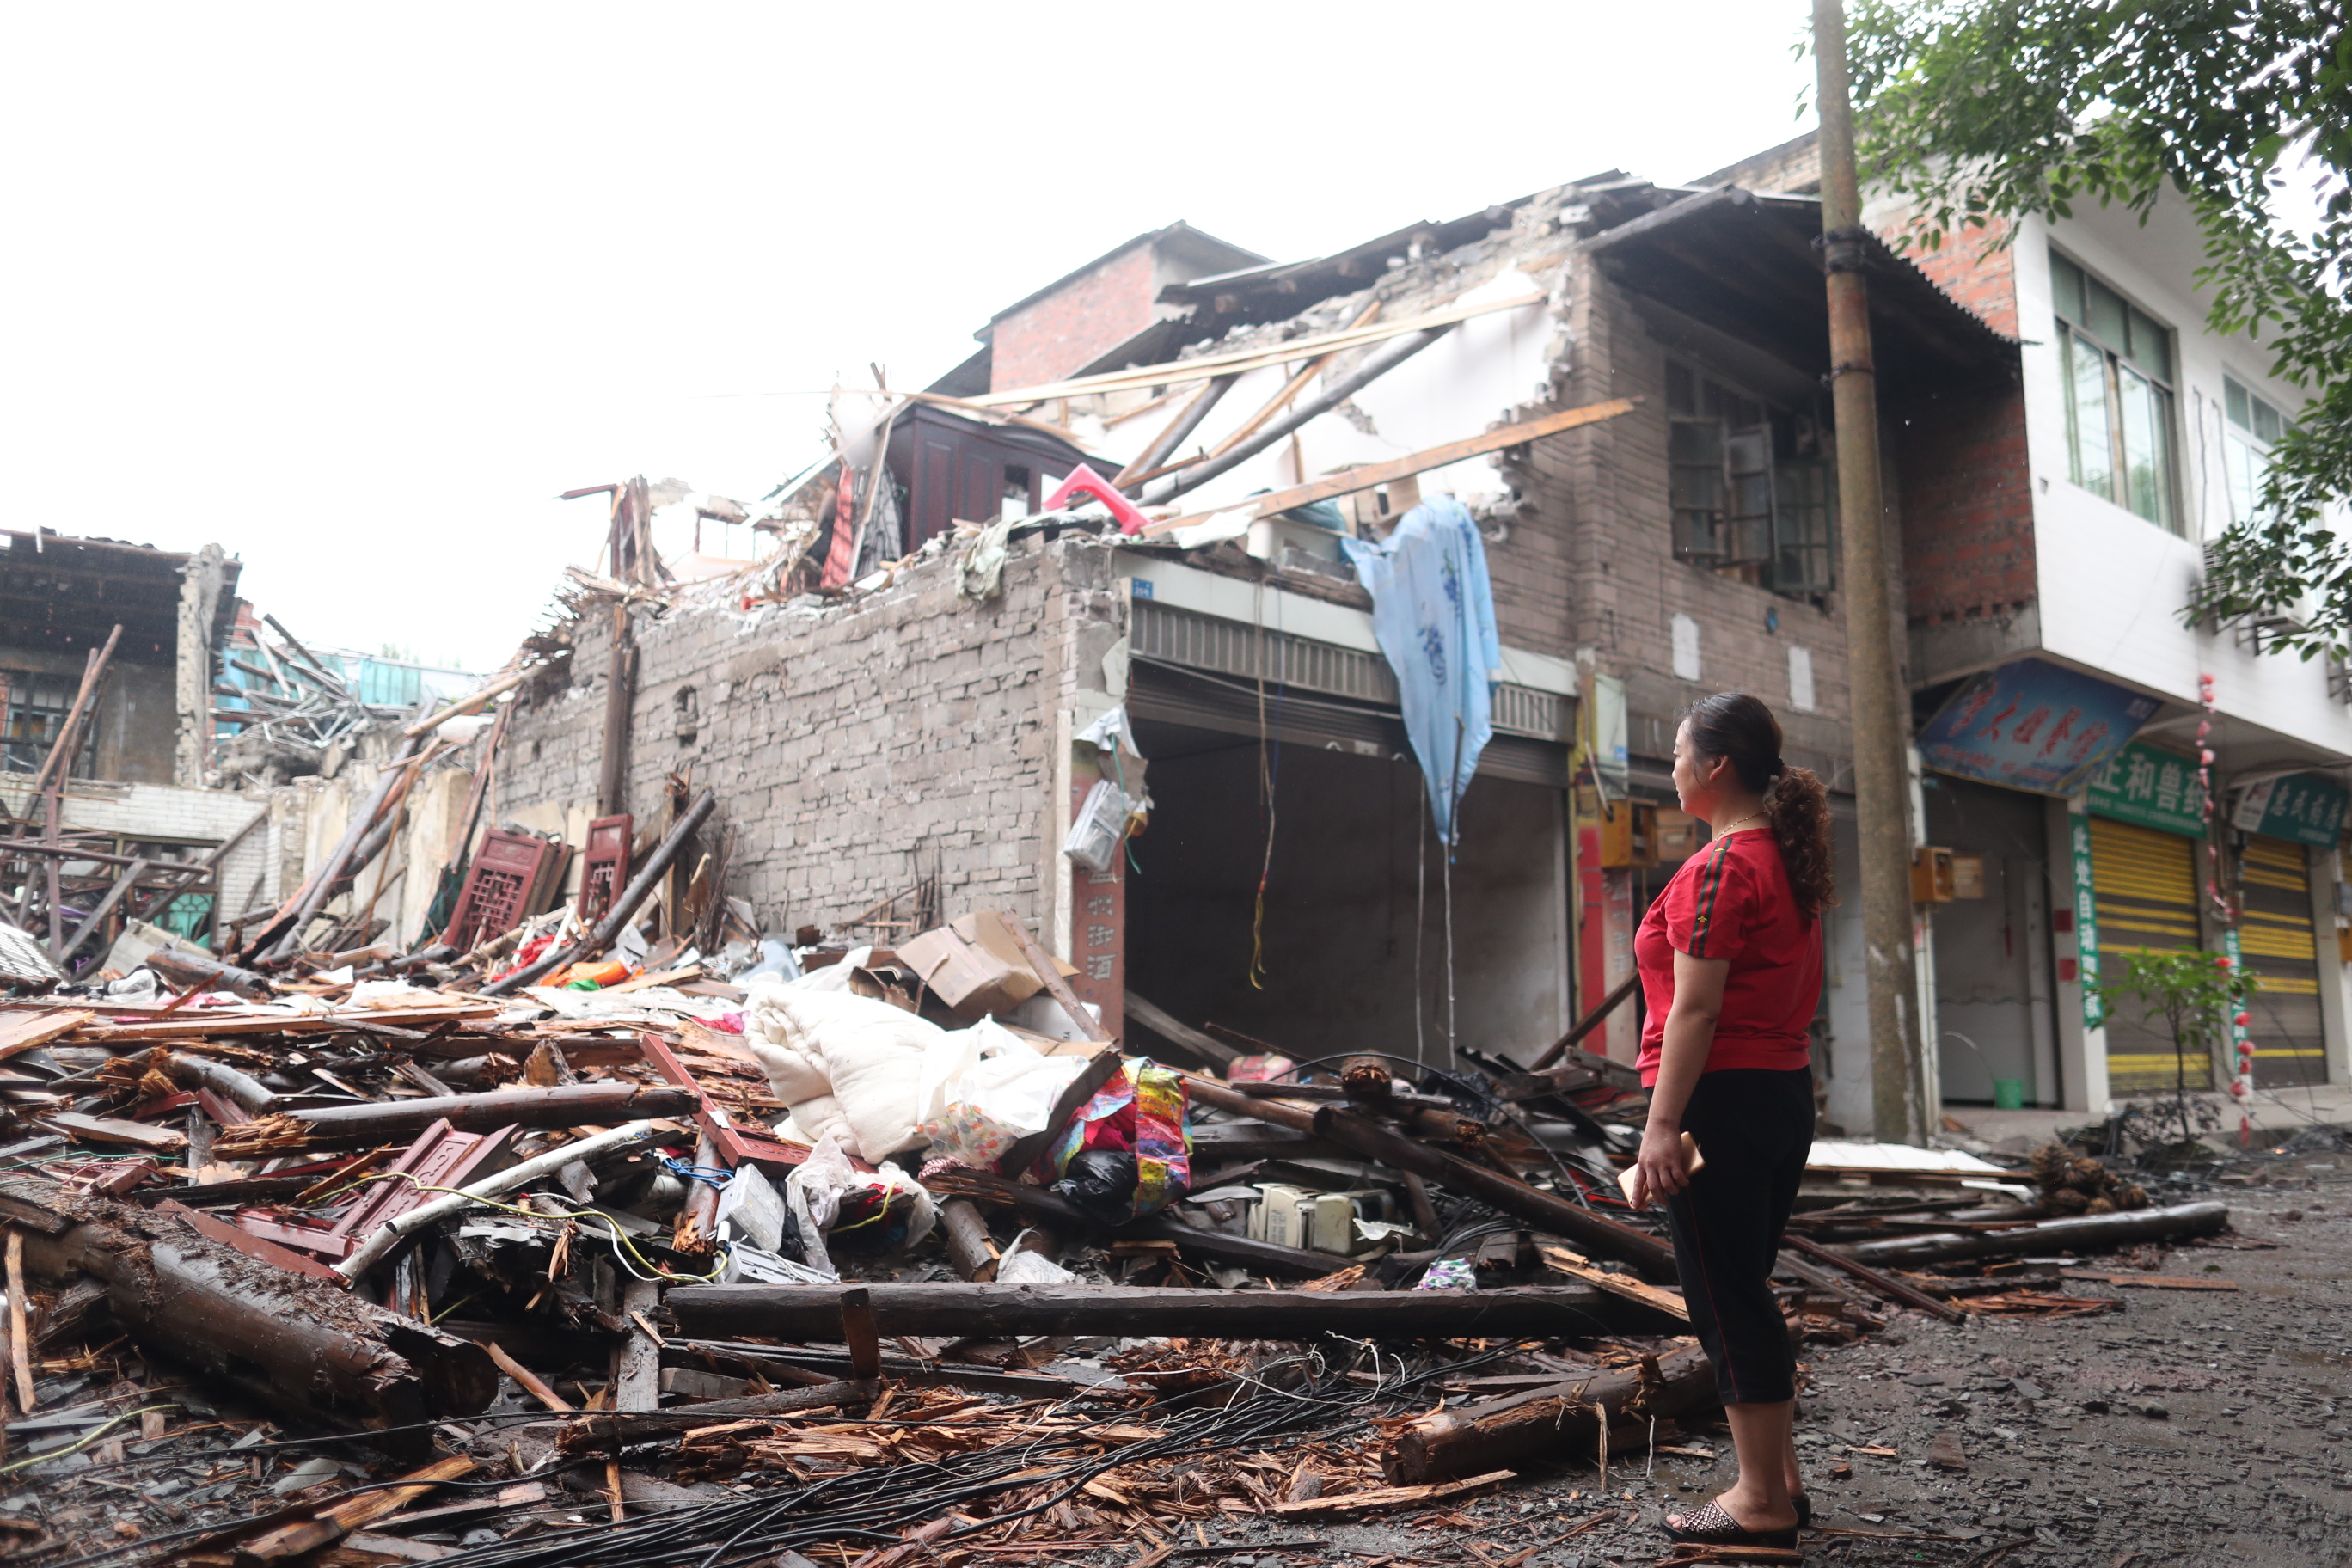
457 1264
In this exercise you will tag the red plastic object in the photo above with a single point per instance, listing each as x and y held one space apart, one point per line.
1085 480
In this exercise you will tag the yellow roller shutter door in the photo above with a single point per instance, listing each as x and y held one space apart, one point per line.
2144 884
2274 936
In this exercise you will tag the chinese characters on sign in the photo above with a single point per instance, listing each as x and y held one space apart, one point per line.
2033 726
2151 788
2086 922
2302 809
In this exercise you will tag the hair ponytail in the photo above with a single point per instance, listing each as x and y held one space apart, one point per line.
1798 805
1739 729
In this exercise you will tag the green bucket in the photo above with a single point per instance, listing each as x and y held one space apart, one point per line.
2008 1094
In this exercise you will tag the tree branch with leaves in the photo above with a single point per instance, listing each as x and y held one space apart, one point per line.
1978 110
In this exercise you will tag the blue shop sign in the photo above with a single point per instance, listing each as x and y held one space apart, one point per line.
2033 726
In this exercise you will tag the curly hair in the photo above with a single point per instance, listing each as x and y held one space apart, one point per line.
1739 729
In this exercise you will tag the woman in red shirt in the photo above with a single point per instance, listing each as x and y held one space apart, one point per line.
1730 959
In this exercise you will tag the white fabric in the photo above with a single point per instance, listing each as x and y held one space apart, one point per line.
864 1055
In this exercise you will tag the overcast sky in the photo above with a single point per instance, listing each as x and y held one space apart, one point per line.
355 291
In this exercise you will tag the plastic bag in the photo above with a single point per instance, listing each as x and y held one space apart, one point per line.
824 1191
1094 838
1450 1274
1101 1181
985 1089
1022 1267
1142 1111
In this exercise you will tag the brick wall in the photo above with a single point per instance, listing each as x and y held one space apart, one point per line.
1967 506
1049 339
851 745
1609 481
1985 281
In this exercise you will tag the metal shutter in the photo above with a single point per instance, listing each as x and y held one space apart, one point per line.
2275 937
2145 884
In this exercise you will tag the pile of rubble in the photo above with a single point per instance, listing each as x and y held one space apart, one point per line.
829 1260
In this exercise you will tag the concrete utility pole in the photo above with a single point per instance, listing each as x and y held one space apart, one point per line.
1882 787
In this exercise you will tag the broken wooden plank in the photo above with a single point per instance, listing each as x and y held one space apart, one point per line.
2149 1281
1372 474
1387 1498
311 1023
1237 360
1576 1266
338 1520
807 1312
563 1105
606 1430
28 1030
1215 1052
114 1130
1893 1290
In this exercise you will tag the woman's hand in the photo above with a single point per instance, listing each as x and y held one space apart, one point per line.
1660 1164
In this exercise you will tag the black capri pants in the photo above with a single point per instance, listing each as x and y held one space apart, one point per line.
1755 1128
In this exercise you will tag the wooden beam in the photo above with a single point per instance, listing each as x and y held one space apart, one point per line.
1374 474
1241 359
1290 389
114 895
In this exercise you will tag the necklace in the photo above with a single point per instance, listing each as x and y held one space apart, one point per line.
1726 828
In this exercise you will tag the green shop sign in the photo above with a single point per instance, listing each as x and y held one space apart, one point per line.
2301 809
2151 788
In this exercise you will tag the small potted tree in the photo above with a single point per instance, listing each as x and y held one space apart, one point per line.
2193 995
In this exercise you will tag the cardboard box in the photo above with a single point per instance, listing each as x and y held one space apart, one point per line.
973 964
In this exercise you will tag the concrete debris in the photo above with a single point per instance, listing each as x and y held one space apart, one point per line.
551 1246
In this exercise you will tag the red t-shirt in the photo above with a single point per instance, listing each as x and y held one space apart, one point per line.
1732 900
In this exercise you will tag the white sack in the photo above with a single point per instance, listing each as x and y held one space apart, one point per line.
865 1054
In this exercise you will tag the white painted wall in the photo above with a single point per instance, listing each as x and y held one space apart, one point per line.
2112 584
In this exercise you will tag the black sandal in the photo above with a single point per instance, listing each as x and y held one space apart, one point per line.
1804 1506
1708 1525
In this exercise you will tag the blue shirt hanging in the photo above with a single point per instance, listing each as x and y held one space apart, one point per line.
1433 613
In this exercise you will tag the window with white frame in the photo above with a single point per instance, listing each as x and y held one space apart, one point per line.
2251 428
2116 362
1751 489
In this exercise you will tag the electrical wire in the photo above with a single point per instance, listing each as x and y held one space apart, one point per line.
615 1236
876 1505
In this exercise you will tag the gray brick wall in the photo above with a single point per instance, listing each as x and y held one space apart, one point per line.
852 743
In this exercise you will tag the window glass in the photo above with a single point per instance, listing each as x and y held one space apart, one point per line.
2107 314
2146 469
2086 382
1802 540
2066 287
1695 484
1735 506
2235 397
2266 421
2246 466
2151 346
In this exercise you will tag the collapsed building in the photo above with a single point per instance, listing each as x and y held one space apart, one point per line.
899 730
